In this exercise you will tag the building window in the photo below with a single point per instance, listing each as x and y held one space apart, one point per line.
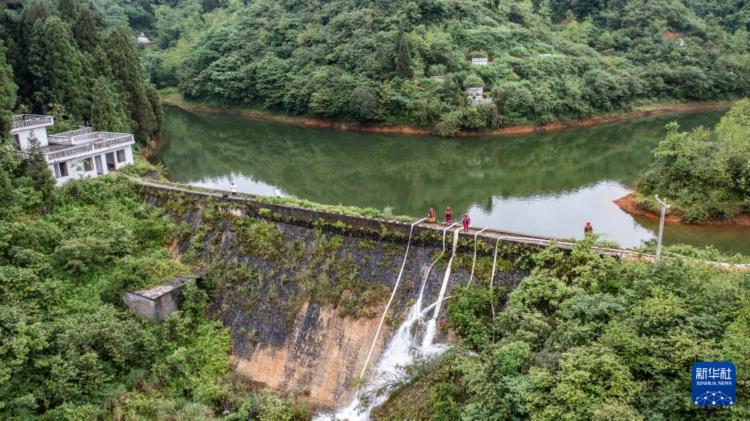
61 170
87 165
121 155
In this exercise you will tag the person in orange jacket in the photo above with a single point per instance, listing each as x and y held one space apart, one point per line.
431 216
448 216
588 229
466 221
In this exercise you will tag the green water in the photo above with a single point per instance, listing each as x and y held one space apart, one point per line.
546 184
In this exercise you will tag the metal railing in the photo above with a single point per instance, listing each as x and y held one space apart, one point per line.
114 139
22 121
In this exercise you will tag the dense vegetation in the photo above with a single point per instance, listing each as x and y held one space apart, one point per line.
376 61
588 338
69 350
706 172
67 63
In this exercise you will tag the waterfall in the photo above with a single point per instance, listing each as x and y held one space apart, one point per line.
390 300
401 352
427 274
431 331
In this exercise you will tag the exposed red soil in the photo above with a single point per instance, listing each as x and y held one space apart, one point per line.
407 130
628 205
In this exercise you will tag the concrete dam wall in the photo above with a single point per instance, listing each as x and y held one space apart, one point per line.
303 295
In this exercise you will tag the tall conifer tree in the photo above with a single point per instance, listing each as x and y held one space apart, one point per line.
8 91
127 71
55 65
403 61
110 113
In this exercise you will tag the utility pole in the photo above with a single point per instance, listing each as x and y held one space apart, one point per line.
664 207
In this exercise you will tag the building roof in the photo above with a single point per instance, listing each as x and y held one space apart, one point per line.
142 39
83 141
170 285
31 121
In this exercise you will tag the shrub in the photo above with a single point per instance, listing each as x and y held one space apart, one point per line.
473 81
512 77
265 213
450 124
437 70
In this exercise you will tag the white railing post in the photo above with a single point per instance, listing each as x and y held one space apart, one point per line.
664 207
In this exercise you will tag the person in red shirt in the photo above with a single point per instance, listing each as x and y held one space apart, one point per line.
448 216
588 229
466 221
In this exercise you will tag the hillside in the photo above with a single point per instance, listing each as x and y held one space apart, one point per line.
59 57
380 62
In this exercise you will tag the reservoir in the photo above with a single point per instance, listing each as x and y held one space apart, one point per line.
548 183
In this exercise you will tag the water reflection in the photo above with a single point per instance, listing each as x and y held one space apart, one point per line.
546 184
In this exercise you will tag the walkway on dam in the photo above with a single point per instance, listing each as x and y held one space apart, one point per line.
490 235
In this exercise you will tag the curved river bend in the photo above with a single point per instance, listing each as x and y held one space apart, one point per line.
545 183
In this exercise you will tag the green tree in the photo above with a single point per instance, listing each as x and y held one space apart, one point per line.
55 65
8 90
110 113
130 80
35 167
403 55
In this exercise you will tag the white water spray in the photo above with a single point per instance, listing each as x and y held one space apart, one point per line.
427 274
429 337
390 300
400 353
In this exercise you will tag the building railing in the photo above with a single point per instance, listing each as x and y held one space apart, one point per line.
65 137
22 121
112 140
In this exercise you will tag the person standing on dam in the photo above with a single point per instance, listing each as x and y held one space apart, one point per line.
588 229
448 215
233 188
431 216
466 222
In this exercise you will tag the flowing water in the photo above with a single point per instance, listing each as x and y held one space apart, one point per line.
545 183
402 350
431 331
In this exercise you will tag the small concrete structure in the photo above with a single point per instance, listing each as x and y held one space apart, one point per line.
475 91
77 153
158 302
480 61
480 100
475 97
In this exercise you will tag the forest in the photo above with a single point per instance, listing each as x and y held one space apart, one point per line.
410 62
59 57
585 338
706 171
69 349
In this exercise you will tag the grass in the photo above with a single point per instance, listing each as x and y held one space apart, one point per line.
295 202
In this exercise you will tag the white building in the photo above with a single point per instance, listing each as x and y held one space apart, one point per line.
74 154
143 40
